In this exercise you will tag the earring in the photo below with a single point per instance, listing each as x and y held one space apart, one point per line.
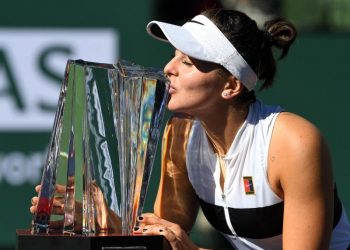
226 94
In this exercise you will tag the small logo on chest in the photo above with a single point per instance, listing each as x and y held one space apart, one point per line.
248 185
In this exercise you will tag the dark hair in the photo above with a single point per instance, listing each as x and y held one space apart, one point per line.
253 44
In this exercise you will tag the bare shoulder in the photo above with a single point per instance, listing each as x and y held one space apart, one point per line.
296 131
297 149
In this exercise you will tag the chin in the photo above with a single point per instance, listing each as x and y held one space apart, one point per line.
170 105
178 110
178 107
172 109
173 106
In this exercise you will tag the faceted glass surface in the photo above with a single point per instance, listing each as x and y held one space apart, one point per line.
102 148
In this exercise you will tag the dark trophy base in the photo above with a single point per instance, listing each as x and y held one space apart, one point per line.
28 241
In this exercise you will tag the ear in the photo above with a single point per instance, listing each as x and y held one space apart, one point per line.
232 88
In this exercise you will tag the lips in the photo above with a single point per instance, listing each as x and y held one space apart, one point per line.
171 89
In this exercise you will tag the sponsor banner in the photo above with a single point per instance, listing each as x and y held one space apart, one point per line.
32 63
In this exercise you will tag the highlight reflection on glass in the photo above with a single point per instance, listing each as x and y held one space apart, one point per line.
102 149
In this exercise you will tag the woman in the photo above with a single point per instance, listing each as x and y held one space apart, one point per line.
255 170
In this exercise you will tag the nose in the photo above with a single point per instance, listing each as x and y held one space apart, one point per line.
170 68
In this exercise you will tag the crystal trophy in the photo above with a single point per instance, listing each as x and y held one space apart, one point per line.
103 144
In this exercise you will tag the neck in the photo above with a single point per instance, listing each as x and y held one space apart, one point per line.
222 126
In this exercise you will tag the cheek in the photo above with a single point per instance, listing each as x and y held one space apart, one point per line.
188 82
194 94
199 82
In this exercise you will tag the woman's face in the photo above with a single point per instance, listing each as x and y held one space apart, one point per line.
195 86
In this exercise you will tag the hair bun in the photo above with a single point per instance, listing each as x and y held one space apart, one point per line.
282 33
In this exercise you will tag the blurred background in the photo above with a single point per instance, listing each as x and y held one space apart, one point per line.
37 38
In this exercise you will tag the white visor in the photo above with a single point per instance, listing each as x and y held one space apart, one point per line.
201 39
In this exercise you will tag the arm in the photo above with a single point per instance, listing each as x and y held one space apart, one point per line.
176 205
299 156
176 200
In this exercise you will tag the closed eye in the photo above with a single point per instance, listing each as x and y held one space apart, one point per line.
187 63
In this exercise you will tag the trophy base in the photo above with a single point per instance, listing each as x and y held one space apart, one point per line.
28 241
